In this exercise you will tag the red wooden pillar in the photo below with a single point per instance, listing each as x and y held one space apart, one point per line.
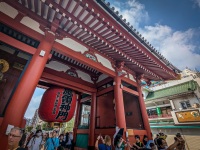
19 102
76 122
144 112
119 103
92 122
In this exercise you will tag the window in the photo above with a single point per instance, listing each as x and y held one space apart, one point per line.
85 115
185 104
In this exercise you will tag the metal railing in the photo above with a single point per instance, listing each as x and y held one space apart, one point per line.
160 116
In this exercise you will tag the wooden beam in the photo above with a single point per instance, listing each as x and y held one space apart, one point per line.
82 131
66 82
134 83
104 81
85 99
20 27
130 91
104 91
105 131
72 65
82 59
17 44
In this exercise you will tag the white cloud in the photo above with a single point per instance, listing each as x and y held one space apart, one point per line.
177 46
135 12
197 2
33 105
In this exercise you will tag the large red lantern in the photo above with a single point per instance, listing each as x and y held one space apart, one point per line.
57 105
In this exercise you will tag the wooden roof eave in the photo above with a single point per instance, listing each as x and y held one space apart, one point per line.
38 18
94 5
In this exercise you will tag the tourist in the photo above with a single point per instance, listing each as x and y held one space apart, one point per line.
36 141
147 142
152 146
62 143
67 141
179 144
119 142
22 141
52 142
13 139
29 136
155 140
106 143
138 144
66 136
69 138
44 138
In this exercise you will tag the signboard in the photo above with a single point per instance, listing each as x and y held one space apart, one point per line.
188 116
9 127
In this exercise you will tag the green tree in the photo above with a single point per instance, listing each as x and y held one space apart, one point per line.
29 128
69 125
46 126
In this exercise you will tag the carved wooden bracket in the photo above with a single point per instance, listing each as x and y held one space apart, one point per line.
72 72
141 77
119 66
148 82
94 78
52 30
91 55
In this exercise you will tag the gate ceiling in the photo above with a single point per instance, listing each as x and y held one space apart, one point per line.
96 26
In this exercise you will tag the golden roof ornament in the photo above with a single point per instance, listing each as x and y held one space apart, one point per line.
4 65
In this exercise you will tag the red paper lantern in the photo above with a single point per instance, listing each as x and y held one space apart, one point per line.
57 105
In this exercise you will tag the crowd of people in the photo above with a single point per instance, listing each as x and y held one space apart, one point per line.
39 140
159 143
17 140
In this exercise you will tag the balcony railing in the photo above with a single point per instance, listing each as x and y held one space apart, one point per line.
160 116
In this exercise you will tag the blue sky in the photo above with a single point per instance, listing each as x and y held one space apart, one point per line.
171 26
35 102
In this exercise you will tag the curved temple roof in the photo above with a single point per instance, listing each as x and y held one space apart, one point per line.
95 25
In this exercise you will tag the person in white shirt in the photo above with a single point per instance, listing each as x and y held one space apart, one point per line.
69 141
36 141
